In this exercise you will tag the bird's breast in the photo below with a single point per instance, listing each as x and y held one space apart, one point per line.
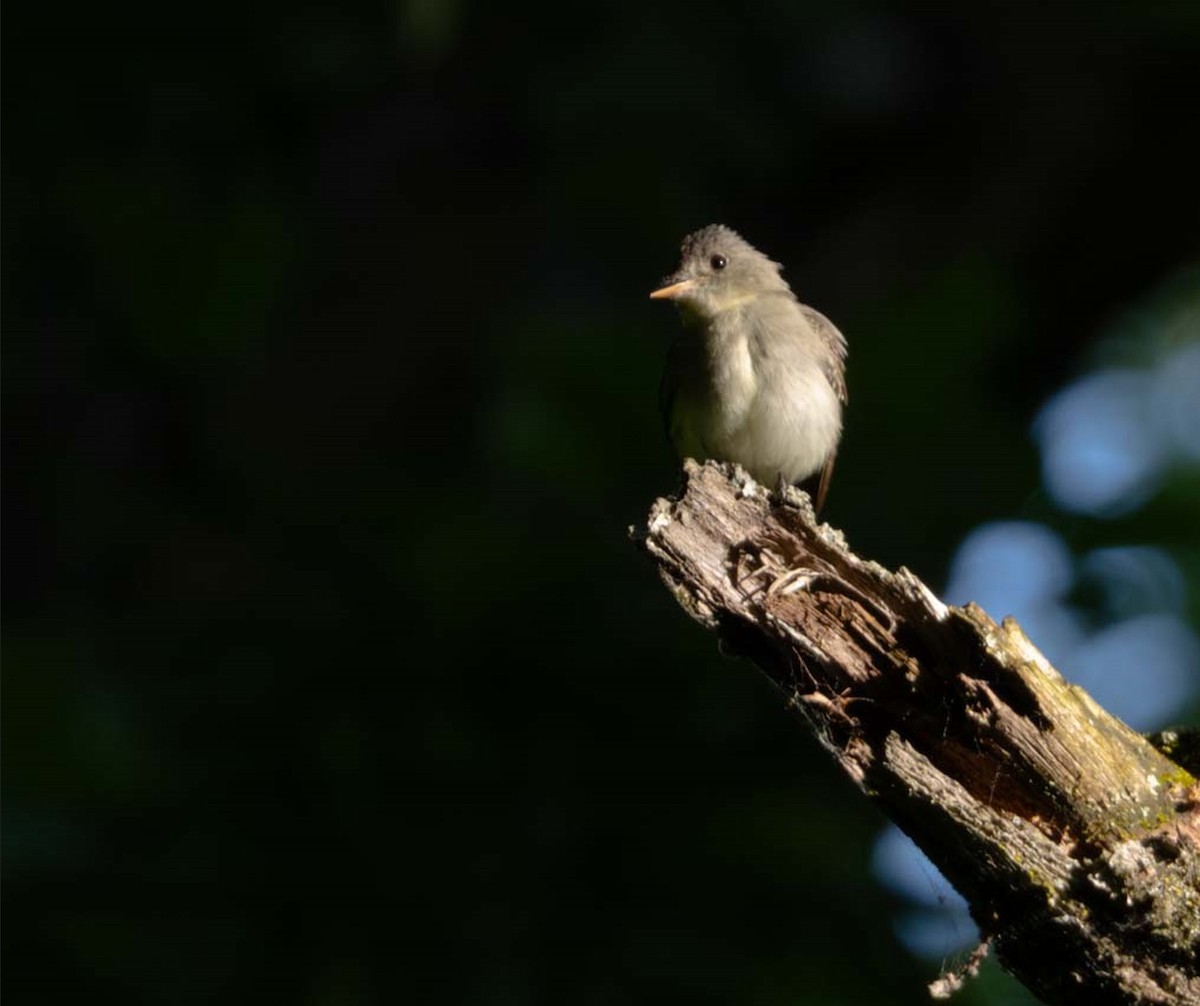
732 376
766 401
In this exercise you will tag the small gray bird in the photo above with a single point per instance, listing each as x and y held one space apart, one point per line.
756 377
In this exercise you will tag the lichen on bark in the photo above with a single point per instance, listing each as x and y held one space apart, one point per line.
1075 841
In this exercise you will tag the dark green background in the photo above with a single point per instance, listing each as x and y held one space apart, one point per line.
330 674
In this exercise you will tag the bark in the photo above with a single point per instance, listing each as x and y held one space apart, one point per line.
1076 843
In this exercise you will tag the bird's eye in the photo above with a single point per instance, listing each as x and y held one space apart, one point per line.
718 262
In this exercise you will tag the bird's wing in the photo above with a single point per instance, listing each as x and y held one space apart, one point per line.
672 401
835 370
677 397
835 373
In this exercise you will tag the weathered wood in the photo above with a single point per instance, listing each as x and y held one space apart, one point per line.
1076 843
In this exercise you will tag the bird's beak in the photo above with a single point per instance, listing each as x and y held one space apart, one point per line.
673 291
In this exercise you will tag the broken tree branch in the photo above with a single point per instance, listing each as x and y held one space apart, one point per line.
1076 843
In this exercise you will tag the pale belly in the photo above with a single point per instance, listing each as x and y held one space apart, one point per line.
751 390
780 430
786 428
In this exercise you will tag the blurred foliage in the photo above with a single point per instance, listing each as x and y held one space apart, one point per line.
330 674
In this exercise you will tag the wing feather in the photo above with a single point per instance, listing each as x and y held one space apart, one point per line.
835 369
835 373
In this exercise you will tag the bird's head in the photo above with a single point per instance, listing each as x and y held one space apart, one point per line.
718 270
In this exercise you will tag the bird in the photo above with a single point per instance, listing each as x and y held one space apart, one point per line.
755 377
